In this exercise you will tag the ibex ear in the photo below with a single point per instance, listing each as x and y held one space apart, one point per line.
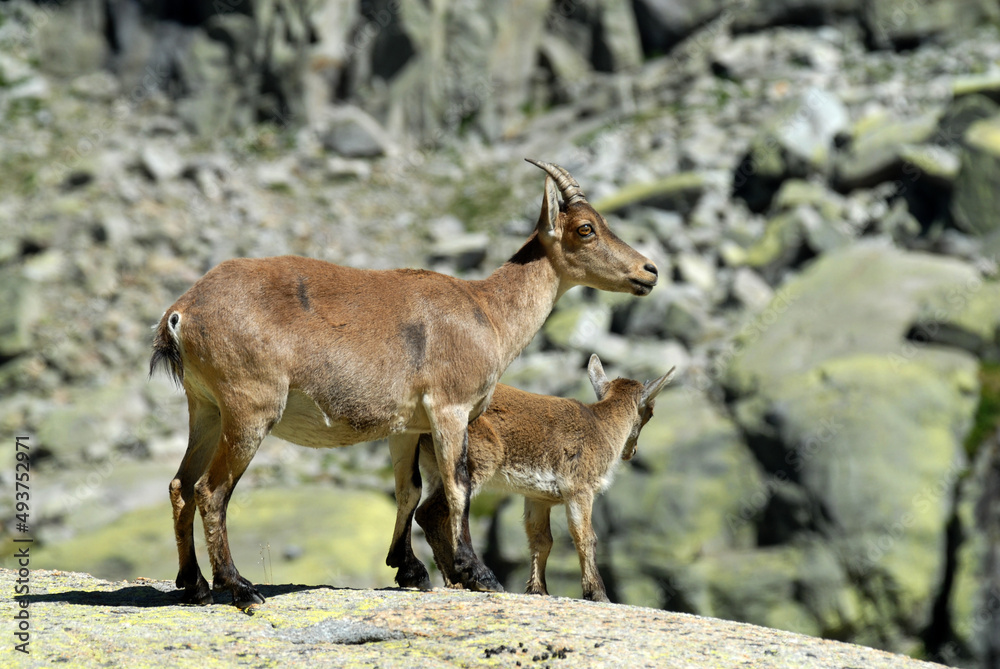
651 389
598 378
548 221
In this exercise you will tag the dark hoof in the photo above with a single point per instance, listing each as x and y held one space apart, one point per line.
424 584
197 596
245 600
597 597
414 576
244 594
197 593
483 581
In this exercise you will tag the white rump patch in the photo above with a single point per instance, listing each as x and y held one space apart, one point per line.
174 325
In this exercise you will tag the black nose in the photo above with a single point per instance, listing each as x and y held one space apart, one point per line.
651 268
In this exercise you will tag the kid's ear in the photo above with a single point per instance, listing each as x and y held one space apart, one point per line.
651 389
598 378
548 221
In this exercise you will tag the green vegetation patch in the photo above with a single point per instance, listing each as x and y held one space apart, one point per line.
481 203
987 419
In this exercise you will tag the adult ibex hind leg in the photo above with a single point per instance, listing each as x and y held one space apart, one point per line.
205 430
242 431
433 517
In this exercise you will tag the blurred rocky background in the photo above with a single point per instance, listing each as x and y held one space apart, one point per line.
818 180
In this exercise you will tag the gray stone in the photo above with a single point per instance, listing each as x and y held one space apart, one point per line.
967 319
465 251
732 253
687 318
963 111
93 423
875 151
278 174
937 163
34 89
806 131
13 70
664 23
900 23
976 199
985 85
351 133
899 223
641 358
780 246
577 326
822 234
512 58
754 15
860 299
678 192
347 168
336 631
795 192
100 85
796 143
161 161
445 227
331 24
20 309
49 265
215 97
750 289
619 36
547 372
70 41
590 35
971 606
567 63
697 271
645 316
796 588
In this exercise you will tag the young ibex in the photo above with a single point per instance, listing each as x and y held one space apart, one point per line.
324 356
552 451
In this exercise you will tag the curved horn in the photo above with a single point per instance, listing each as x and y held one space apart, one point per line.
568 186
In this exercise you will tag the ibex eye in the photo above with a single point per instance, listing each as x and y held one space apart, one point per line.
585 230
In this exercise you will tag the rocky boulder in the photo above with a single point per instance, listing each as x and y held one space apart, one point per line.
664 23
903 24
976 201
797 143
833 388
140 624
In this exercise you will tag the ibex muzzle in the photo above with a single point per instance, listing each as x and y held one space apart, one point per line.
323 356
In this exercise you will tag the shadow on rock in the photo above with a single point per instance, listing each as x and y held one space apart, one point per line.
147 596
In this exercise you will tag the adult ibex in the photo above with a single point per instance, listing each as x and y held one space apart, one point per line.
552 451
324 356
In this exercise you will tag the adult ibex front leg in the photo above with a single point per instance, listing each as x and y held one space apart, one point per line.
323 355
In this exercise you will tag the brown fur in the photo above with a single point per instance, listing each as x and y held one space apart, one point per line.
552 451
327 356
